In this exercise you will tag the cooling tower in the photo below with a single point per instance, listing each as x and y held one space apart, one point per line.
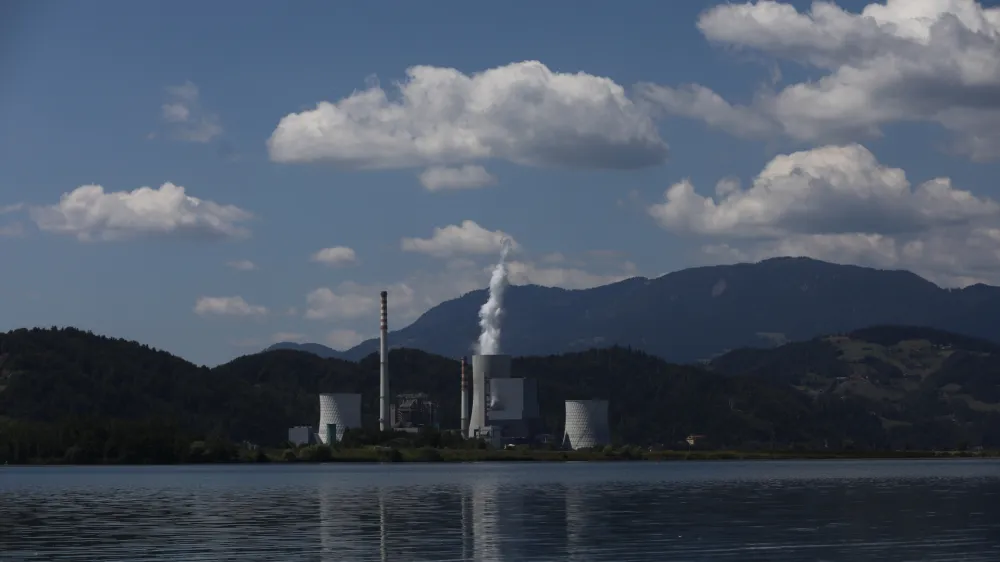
484 368
339 412
586 424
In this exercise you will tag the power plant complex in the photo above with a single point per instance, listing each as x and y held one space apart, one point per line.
504 409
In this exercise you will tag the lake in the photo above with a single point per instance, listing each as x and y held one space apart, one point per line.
619 511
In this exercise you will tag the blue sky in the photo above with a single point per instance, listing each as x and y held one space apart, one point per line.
777 131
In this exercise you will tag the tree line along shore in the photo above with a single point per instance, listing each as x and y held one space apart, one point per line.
165 445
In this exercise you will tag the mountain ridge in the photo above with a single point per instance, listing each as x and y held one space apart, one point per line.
698 313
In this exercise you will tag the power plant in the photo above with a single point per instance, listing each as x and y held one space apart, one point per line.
503 408
413 411
586 424
338 412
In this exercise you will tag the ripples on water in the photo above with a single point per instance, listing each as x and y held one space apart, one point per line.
829 511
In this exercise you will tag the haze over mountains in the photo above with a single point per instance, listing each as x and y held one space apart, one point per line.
696 314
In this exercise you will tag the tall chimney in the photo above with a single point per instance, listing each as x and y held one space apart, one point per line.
383 376
465 403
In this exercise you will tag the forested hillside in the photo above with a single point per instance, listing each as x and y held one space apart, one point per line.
876 389
925 385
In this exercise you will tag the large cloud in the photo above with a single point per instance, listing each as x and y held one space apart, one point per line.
840 204
828 190
90 213
454 240
905 60
523 112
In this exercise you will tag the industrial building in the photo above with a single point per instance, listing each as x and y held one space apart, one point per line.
586 424
413 411
338 412
301 435
503 407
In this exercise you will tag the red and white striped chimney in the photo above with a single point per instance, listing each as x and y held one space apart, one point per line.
464 425
383 380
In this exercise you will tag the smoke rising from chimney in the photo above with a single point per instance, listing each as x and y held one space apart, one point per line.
491 312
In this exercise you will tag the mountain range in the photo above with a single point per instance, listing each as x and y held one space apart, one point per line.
699 313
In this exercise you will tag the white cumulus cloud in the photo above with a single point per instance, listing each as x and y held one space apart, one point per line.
186 118
839 204
459 239
90 213
227 306
522 112
337 255
903 60
828 190
440 178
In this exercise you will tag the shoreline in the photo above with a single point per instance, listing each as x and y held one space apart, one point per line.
323 455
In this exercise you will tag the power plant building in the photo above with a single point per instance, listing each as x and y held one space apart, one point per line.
503 407
411 411
338 412
301 435
586 424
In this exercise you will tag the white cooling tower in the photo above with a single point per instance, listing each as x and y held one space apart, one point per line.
338 412
586 424
484 368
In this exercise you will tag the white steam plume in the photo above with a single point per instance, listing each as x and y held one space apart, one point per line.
491 312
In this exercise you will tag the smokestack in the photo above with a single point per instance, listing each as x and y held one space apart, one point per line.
465 403
383 377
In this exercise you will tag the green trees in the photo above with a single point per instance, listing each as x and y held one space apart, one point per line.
70 396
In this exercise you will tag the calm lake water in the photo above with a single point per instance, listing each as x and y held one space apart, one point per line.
825 510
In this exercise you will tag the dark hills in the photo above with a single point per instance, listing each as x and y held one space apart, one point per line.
881 387
696 314
922 384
